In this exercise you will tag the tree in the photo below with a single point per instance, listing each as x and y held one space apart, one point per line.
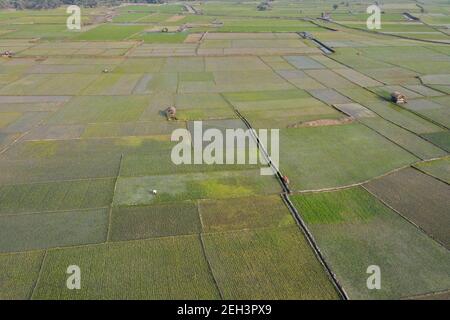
335 6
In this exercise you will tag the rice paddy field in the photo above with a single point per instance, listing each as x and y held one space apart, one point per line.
87 178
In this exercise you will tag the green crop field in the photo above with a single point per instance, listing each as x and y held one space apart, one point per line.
377 236
93 123
254 257
55 196
24 232
19 274
169 268
429 211
243 213
313 167
141 222
437 168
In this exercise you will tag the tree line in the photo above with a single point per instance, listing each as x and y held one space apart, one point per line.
50 4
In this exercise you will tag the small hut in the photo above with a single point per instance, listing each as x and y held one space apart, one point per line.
7 54
171 113
398 97
325 16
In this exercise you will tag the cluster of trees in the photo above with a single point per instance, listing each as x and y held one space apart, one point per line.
50 4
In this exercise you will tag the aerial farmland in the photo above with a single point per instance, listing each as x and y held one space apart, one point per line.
93 205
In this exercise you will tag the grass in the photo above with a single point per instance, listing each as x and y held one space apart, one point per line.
254 257
354 231
54 229
166 268
423 200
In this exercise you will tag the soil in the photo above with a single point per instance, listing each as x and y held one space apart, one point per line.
321 122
